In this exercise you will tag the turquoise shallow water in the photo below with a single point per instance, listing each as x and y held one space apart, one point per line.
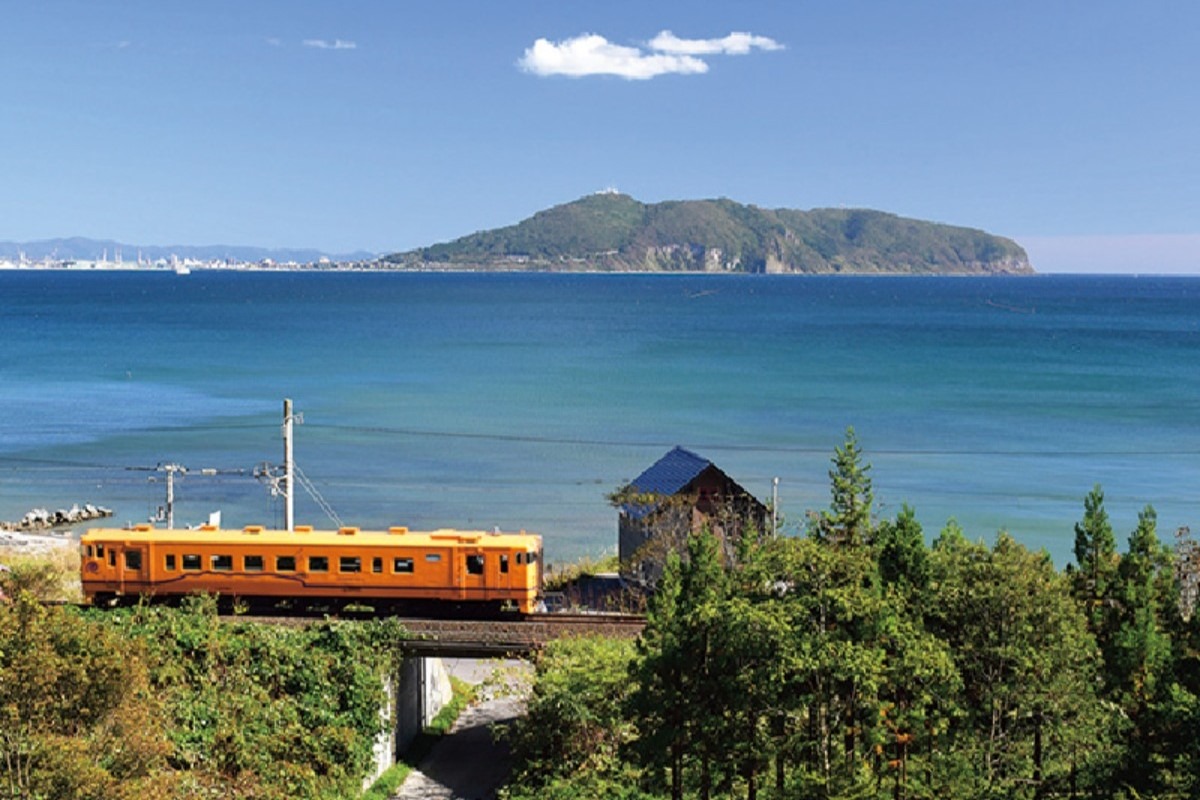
520 401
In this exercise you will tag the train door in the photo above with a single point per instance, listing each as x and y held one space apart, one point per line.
503 579
132 565
474 574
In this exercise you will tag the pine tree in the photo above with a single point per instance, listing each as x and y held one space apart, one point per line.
847 523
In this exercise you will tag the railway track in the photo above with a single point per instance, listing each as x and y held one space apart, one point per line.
474 638
490 638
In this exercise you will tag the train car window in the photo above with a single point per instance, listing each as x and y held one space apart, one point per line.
402 565
223 563
318 563
349 564
99 549
531 558
252 563
285 563
133 559
377 565
191 561
88 550
170 561
504 562
112 558
475 565
520 559
433 557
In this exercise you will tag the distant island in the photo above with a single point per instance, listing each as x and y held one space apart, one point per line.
611 232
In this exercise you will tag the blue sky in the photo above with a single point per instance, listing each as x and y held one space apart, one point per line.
1069 126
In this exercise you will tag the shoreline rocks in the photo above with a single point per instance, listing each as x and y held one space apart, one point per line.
41 519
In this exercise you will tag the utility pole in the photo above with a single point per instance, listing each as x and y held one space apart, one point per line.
775 506
171 469
289 466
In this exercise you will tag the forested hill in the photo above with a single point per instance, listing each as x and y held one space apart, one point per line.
610 231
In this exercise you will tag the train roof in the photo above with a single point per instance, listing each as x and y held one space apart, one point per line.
306 535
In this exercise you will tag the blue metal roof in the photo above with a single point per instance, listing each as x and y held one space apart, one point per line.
665 477
671 473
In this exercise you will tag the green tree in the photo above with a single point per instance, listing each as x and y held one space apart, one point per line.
847 523
662 677
1095 557
1033 724
833 664
77 718
902 555
575 720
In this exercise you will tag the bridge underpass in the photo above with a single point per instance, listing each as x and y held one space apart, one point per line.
422 686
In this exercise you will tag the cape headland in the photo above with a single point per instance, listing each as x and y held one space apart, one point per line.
612 232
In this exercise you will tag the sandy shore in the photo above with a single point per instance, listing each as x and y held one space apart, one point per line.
33 543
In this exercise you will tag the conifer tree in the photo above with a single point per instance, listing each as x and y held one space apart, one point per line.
1095 548
847 523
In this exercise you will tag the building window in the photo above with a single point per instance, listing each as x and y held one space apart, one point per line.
475 565
318 563
285 563
170 562
377 565
222 563
252 563
349 564
504 562
133 559
191 561
402 565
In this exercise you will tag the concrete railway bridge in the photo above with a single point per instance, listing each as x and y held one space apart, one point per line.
421 687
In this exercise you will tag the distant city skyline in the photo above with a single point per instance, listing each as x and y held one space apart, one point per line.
382 127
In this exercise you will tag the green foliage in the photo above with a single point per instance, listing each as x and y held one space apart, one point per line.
847 523
77 716
1028 664
858 663
616 232
574 720
903 557
47 576
162 702
1095 546
388 783
563 576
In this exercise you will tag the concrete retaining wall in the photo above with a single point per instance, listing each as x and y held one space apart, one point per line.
414 697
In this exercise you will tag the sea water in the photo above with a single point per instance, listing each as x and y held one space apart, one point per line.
520 401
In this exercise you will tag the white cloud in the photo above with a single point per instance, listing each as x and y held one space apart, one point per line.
336 44
591 54
735 44
274 42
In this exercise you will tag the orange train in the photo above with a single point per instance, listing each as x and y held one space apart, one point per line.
391 571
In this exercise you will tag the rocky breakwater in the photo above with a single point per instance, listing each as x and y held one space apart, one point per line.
41 519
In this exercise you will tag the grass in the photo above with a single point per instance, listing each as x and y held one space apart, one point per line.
50 575
562 576
388 783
